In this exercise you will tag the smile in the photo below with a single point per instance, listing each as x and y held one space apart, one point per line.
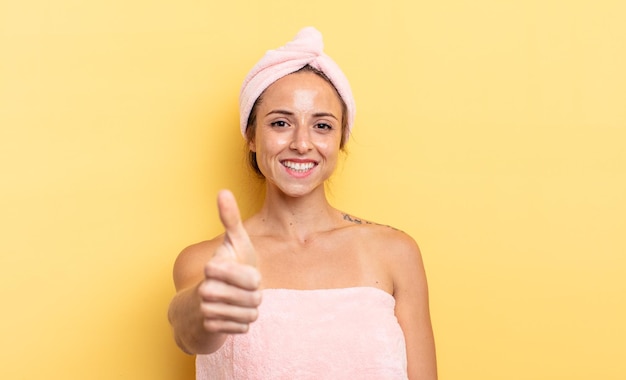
300 167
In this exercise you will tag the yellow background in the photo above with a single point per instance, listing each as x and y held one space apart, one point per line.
492 131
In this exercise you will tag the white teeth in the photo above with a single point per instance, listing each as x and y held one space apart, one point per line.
299 167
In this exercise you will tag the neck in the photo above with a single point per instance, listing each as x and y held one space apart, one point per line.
297 217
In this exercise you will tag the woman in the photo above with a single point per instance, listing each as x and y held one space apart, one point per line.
301 290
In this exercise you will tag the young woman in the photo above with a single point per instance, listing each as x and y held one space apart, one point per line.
301 290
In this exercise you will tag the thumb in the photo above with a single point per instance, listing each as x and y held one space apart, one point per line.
236 237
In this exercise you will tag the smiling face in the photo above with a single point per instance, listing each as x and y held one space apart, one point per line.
298 133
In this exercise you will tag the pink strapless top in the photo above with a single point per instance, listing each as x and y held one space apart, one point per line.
345 333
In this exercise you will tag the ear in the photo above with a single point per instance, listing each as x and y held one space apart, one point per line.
252 146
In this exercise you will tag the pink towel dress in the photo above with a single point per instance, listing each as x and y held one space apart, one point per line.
345 333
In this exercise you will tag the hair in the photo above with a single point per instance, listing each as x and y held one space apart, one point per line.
251 124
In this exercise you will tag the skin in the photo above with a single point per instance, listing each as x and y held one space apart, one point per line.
297 240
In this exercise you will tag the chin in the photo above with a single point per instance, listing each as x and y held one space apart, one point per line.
298 191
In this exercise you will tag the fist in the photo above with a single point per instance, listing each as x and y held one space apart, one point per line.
230 293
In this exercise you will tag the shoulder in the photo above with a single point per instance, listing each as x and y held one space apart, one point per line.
190 262
395 249
382 234
400 251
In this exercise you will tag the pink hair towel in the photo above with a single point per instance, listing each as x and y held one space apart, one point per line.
335 334
305 49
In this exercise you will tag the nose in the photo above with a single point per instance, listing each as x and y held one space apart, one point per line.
301 141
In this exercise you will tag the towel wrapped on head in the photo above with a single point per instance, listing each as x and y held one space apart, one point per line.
305 49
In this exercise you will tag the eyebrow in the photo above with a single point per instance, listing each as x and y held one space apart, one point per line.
289 113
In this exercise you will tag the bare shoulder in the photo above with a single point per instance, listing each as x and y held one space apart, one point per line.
393 248
397 241
399 255
189 265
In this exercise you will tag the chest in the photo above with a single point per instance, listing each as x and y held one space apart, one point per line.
320 264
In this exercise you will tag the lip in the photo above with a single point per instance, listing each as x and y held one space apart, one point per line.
299 168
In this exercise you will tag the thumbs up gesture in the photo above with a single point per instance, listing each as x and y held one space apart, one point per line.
230 293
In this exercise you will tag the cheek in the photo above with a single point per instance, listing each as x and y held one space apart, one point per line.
331 145
267 148
330 150
273 144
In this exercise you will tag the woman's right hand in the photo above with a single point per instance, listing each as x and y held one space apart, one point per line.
230 293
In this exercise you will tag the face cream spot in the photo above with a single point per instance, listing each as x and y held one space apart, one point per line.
304 99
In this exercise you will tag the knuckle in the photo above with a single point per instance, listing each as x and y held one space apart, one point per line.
255 298
258 298
220 268
212 325
253 315
213 268
212 291
218 312
221 326
254 278
208 310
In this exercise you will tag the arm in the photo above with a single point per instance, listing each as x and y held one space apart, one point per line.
412 310
217 286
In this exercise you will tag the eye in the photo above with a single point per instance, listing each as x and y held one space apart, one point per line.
279 123
323 126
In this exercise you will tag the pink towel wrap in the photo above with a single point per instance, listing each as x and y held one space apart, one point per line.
305 49
347 333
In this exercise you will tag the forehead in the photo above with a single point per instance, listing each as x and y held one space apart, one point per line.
302 88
